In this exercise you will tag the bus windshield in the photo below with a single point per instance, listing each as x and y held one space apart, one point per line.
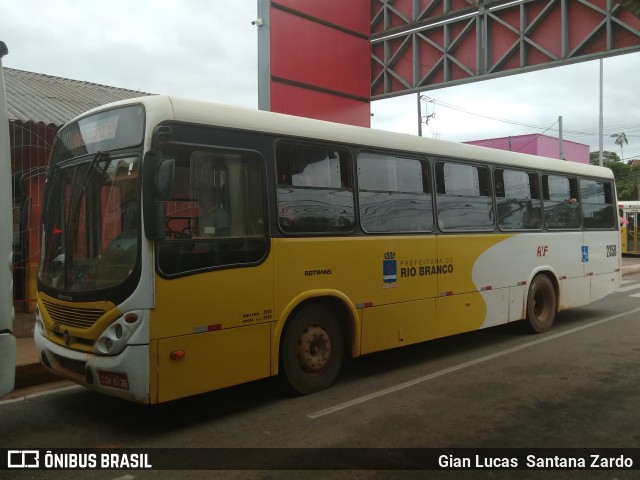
91 223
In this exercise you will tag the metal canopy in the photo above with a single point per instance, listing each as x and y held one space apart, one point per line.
419 45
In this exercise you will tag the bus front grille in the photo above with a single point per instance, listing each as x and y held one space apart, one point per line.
73 316
76 367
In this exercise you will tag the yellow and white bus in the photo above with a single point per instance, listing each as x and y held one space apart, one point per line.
629 211
188 246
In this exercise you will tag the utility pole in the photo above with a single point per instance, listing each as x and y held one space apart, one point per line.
560 138
601 116
419 115
427 116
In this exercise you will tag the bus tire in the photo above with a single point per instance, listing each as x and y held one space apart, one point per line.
312 350
541 304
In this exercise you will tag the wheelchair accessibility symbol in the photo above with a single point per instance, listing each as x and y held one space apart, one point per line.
585 253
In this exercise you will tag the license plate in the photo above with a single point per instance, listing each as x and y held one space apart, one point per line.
114 380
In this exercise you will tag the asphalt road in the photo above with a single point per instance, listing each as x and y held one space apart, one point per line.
575 386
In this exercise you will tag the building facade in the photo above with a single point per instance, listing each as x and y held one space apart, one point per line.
38 105
542 145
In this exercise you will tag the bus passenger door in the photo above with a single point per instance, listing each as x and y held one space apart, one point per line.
632 233
214 288
601 260
601 245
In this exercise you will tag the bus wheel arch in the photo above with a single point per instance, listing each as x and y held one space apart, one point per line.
313 343
542 302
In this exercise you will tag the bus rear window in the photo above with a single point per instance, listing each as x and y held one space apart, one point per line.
598 207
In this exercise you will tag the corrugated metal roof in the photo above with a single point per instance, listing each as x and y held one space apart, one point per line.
39 98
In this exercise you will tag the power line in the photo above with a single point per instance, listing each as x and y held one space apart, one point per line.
504 120
616 128
536 136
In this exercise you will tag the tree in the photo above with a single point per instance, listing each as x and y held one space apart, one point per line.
627 176
607 158
621 139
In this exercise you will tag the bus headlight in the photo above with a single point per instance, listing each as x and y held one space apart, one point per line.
115 338
39 324
40 328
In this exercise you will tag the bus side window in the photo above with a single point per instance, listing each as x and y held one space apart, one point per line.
598 207
215 213
394 194
464 198
209 183
499 183
315 193
534 186
517 200
561 206
440 187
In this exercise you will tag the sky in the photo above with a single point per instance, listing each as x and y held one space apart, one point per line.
207 49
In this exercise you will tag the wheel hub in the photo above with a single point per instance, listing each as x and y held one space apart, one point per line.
314 349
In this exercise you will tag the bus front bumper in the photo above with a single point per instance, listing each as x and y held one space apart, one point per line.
125 375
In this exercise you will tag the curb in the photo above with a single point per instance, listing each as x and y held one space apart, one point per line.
630 270
33 374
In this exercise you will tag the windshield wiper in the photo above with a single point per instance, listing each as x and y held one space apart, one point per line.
74 212
75 203
97 158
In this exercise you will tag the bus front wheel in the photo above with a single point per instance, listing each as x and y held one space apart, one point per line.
312 350
541 304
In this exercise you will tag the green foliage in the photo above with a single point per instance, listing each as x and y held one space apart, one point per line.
621 139
607 157
627 176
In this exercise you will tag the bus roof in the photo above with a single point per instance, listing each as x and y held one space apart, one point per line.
207 113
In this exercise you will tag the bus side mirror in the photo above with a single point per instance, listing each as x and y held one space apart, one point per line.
164 180
156 189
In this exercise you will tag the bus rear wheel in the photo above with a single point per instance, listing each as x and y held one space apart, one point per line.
541 304
312 350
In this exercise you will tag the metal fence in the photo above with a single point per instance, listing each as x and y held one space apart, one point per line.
30 145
